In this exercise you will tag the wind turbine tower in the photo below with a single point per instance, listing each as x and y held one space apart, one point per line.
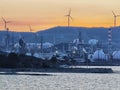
5 23
115 18
69 17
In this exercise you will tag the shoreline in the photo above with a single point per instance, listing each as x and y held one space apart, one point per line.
59 70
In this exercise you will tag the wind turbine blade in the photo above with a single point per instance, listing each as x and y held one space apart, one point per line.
30 28
69 11
113 13
118 15
71 17
66 15
3 19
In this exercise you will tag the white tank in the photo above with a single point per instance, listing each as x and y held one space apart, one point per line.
99 54
92 41
116 54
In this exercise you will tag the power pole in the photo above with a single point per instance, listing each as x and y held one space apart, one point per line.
109 42
41 40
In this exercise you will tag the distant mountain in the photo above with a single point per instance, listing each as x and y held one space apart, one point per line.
63 34
66 34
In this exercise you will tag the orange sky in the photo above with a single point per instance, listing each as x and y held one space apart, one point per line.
42 14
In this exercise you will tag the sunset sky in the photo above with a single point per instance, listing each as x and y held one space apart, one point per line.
43 14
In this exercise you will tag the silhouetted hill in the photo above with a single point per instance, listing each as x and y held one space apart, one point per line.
65 34
68 34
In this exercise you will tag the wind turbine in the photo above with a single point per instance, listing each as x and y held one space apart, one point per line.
30 28
115 16
5 22
7 35
35 34
69 17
